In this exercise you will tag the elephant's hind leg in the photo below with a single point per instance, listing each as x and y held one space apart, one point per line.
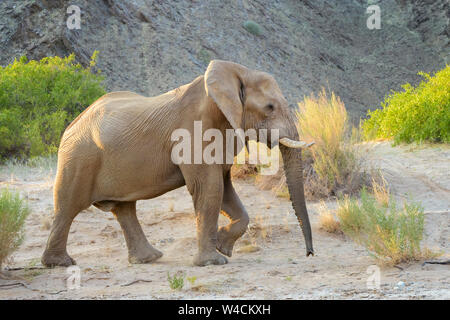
55 253
70 199
139 249
233 209
71 196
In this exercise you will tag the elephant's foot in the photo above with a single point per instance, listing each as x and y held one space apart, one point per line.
225 242
144 256
204 259
57 258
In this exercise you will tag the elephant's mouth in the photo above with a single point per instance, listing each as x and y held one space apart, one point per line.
294 143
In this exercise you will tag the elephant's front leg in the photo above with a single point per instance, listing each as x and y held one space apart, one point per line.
206 188
233 209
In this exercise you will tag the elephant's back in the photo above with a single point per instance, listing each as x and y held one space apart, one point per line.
112 121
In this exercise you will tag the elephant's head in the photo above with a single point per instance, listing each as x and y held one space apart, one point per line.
252 99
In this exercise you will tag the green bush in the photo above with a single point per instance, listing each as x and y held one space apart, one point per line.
390 233
38 99
415 114
253 27
13 212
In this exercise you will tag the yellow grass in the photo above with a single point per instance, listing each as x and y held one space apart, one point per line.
380 190
327 221
335 161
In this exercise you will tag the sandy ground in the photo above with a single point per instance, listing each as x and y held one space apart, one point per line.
277 270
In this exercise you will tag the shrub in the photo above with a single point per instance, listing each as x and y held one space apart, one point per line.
175 282
418 114
390 233
253 27
204 56
13 212
333 164
38 99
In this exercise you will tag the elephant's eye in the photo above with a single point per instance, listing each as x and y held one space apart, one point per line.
270 107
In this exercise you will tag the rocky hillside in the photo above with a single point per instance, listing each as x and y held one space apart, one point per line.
152 46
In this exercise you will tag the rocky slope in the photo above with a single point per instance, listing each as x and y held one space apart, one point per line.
153 46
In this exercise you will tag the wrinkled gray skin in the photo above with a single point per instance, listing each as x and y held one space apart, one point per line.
118 151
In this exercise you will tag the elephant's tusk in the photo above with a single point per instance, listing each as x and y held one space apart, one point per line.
295 144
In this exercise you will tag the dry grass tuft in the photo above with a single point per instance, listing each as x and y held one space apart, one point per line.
333 165
250 170
259 230
380 190
171 206
327 220
248 249
201 288
46 222
276 183
243 171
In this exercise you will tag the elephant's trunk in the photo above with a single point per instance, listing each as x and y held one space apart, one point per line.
294 178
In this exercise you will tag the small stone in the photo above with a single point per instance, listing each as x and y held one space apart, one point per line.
400 285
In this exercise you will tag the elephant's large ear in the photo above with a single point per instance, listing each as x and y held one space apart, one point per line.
223 83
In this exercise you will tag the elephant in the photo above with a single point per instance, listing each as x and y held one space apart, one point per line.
118 151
